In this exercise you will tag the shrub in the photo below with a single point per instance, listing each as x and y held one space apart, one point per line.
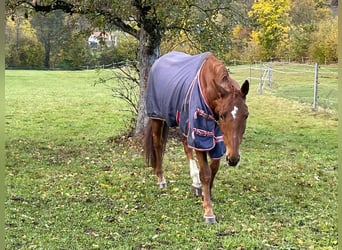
323 48
25 53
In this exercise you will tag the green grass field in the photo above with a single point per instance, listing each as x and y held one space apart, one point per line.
75 183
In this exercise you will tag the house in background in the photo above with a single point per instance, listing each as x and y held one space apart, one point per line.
97 39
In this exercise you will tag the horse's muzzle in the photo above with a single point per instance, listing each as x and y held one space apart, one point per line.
233 161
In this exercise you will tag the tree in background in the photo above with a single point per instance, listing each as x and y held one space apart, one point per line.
52 33
271 27
205 26
323 49
75 51
122 52
52 40
303 21
22 49
241 37
306 16
288 29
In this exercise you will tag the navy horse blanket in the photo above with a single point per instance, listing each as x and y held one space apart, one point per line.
174 95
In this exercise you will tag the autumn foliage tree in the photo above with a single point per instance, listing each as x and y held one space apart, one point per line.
22 48
323 49
271 26
52 33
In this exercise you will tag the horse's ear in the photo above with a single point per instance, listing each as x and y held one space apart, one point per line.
245 88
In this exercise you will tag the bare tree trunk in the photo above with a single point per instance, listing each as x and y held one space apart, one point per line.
147 55
47 56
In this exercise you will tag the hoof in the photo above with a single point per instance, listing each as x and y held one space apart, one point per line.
197 191
162 185
210 219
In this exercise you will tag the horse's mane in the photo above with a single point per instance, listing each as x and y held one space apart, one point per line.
214 78
220 73
217 73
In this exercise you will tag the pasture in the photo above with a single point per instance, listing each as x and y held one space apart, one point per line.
75 181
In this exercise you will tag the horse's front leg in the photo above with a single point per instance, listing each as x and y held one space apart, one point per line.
196 188
206 179
214 166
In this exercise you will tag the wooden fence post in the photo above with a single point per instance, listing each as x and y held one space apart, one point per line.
315 104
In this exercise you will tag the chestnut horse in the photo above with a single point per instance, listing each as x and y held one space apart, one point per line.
197 94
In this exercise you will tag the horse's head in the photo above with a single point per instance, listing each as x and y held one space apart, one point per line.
228 101
232 113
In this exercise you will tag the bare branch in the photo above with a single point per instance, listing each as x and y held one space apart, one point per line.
126 85
56 5
117 21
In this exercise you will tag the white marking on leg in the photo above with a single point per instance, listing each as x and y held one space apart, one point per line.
194 173
163 183
234 111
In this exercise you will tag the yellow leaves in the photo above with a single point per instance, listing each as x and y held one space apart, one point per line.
300 242
324 48
277 224
218 18
22 25
272 21
255 37
104 185
10 22
236 30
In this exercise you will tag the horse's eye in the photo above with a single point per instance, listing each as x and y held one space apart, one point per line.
222 117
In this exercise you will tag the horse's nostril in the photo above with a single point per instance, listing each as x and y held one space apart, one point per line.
232 161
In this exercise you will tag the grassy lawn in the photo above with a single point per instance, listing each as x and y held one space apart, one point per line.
75 183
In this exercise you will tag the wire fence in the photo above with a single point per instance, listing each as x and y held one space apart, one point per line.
301 82
306 83
312 84
113 65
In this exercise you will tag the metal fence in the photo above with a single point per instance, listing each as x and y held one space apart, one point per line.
307 83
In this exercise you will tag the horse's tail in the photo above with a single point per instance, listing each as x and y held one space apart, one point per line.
150 155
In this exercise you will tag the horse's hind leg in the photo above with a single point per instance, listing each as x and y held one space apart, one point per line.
158 146
196 188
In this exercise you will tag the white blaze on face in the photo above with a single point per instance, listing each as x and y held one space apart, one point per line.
234 111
